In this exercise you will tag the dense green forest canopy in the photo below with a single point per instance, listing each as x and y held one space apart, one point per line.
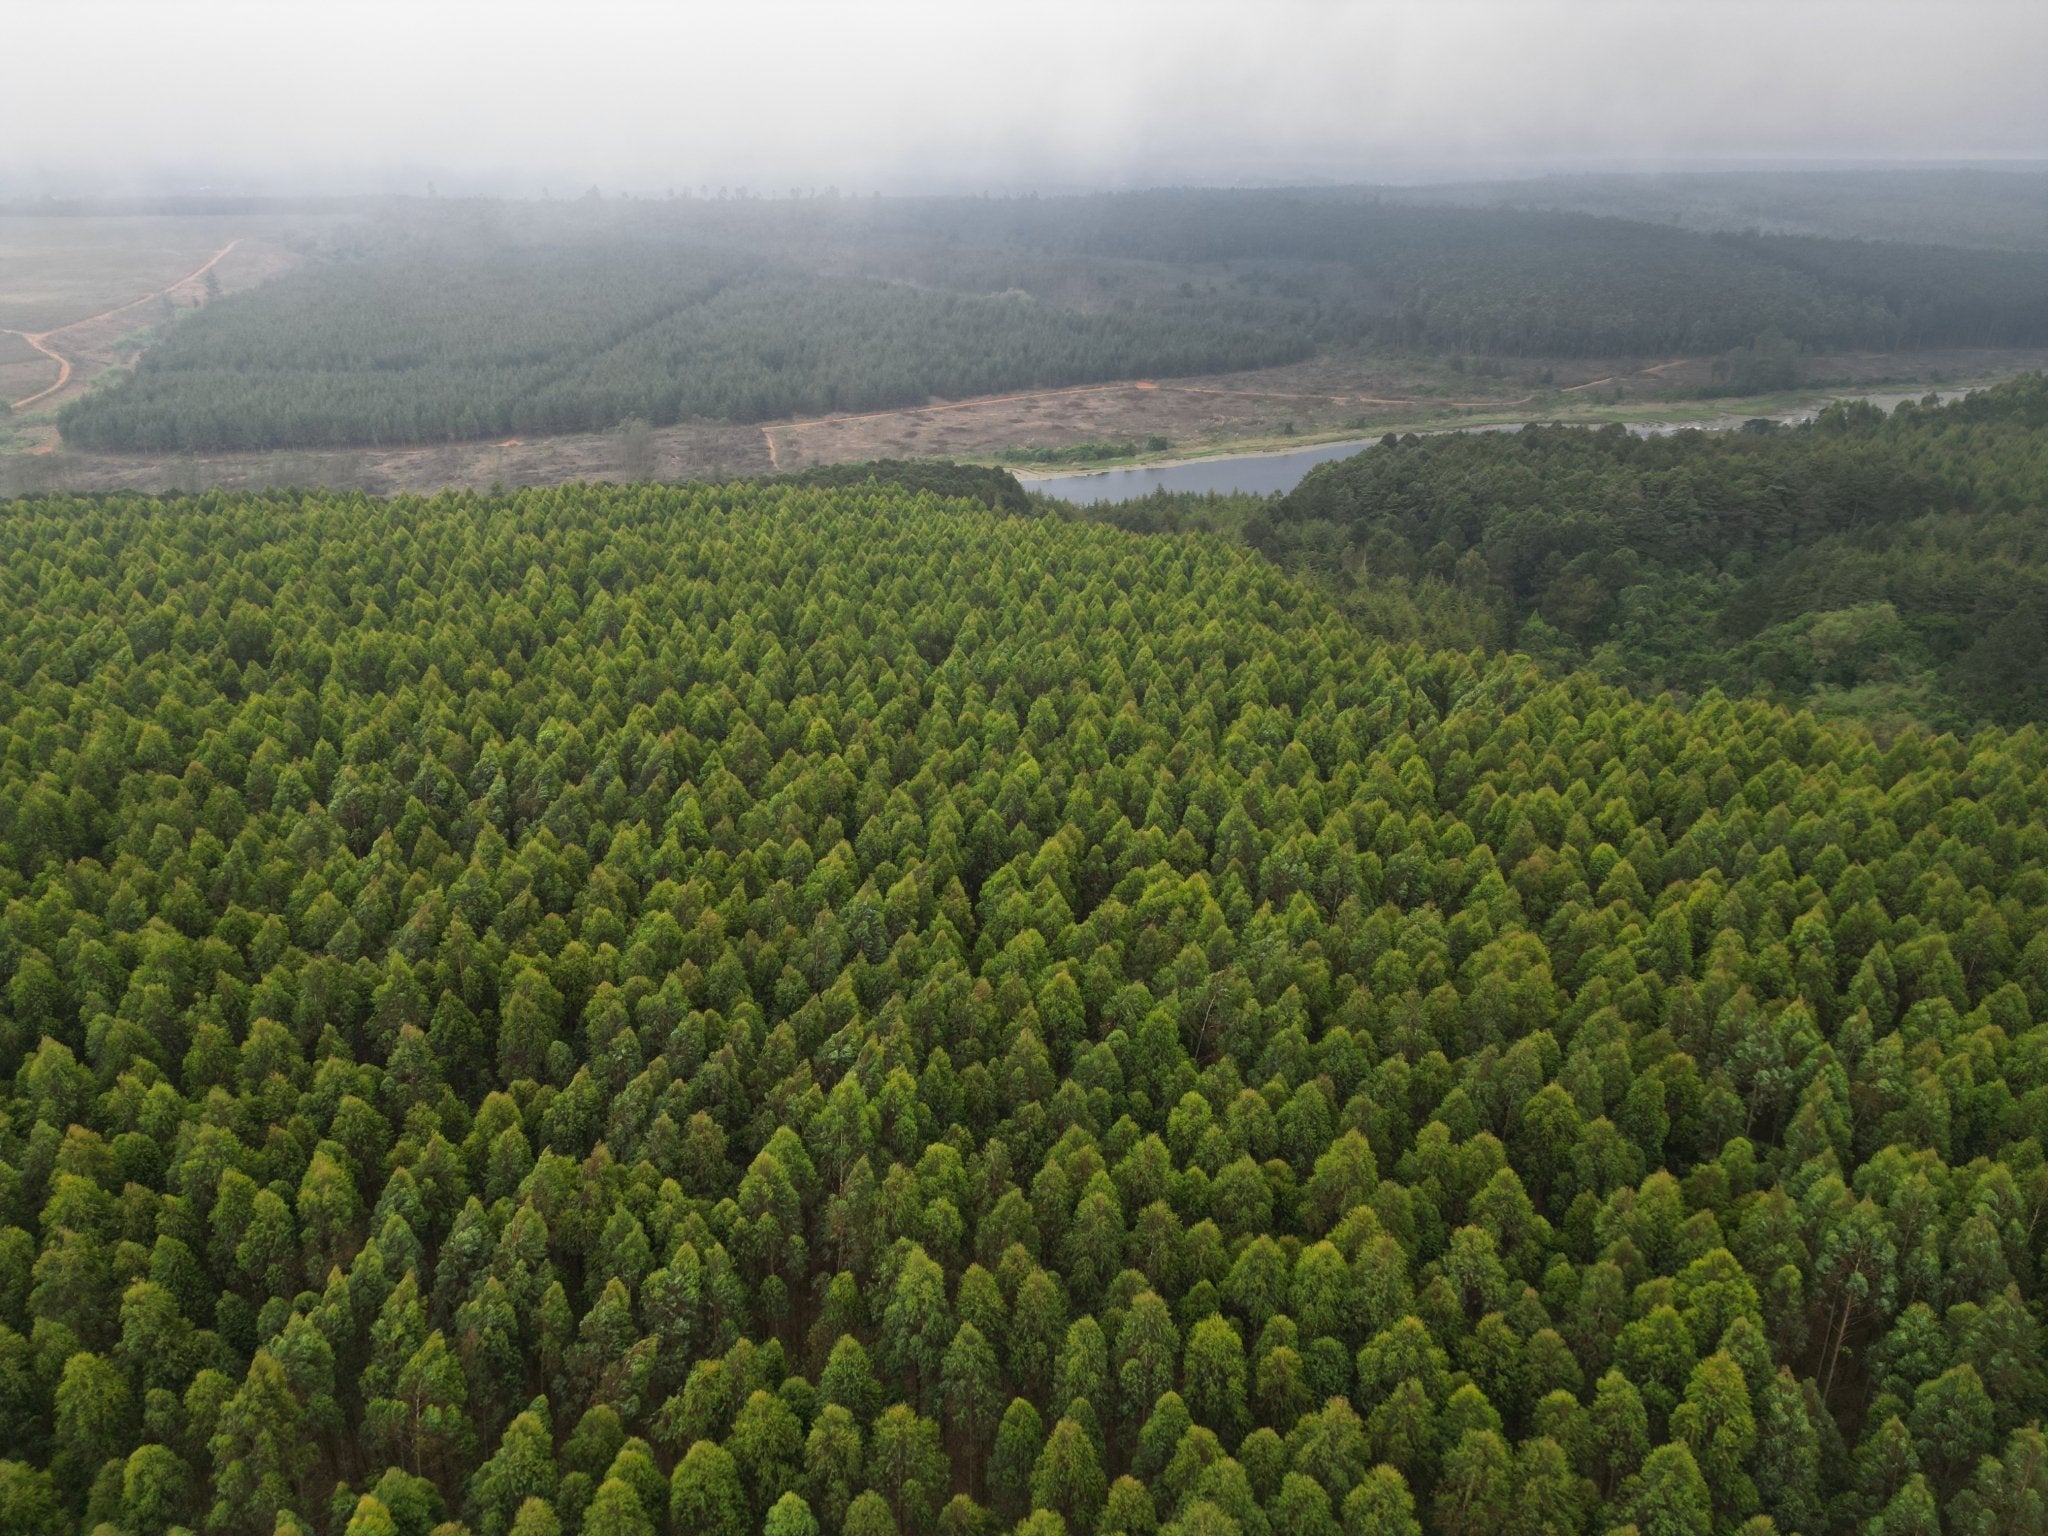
437 322
1889 563
838 1012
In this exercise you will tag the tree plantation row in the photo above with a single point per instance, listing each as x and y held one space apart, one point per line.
839 1012
419 350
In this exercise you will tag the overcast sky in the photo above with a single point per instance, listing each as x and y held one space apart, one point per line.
631 94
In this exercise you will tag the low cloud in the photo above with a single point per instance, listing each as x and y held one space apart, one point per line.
510 96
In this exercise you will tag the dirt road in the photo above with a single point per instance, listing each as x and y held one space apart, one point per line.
40 339
63 365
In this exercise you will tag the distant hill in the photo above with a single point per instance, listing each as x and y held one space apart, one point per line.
1998 209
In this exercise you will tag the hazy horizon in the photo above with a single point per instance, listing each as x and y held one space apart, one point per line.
515 99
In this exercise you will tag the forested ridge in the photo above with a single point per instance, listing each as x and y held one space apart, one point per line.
468 321
1891 563
836 1012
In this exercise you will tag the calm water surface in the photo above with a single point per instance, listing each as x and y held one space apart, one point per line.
1262 473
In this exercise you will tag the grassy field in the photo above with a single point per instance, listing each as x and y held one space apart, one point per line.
54 271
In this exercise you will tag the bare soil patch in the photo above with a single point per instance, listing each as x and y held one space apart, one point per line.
688 452
1317 396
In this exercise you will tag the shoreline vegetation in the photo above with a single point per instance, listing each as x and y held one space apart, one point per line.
1784 407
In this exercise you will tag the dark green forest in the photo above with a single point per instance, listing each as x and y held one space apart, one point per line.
1892 564
842 1012
434 323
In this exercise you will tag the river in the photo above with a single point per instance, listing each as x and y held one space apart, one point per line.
1264 474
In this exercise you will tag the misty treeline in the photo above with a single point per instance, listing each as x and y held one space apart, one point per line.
479 320
2004 208
1891 566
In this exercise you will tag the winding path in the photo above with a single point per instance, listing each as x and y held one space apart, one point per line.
40 339
63 365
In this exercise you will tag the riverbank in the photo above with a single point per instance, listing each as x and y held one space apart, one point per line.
1675 416
1271 465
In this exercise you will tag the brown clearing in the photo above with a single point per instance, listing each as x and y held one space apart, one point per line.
1037 399
976 403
